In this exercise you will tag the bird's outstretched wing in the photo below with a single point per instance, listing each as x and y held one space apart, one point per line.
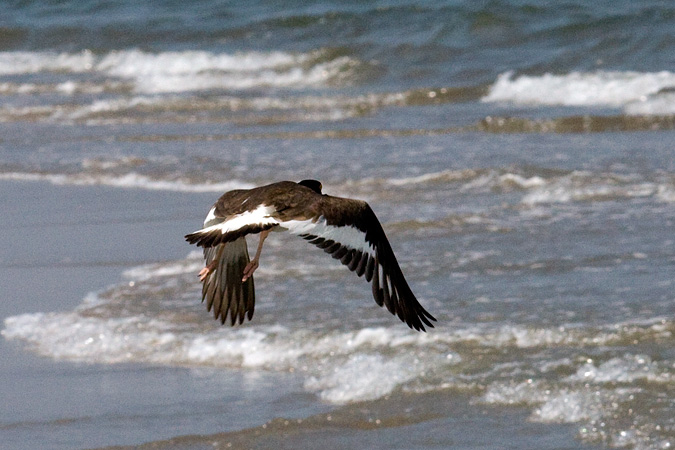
223 289
349 231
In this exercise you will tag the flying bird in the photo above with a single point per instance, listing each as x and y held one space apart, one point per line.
345 228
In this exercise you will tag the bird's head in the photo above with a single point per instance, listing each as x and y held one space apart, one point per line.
312 184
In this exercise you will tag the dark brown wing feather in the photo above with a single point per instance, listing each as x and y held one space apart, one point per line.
380 267
223 290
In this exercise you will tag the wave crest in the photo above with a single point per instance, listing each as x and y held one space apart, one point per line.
189 70
614 89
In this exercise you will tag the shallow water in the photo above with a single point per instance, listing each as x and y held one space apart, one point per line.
518 154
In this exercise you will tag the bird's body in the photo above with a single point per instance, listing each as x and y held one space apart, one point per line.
345 228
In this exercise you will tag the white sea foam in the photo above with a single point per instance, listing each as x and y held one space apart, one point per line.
174 107
563 403
562 191
587 186
199 70
21 62
67 87
543 188
568 406
99 107
503 181
72 334
151 318
341 367
585 404
666 193
182 71
442 176
511 393
625 369
364 377
128 180
557 188
615 89
469 179
658 104
604 414
602 396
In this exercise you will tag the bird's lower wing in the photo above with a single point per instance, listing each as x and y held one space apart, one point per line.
368 253
223 289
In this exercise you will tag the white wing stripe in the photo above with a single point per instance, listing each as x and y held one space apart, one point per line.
259 216
347 235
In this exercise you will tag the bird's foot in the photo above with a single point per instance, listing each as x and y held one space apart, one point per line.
249 269
207 270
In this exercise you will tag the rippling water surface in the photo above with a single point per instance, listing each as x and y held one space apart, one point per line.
518 153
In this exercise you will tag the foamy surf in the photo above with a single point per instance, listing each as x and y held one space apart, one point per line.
129 180
602 396
154 317
349 366
535 186
636 92
184 71
332 362
24 62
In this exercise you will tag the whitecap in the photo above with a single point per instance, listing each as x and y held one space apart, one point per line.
23 62
614 89
184 71
128 180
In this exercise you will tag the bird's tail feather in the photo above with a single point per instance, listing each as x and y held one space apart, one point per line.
223 289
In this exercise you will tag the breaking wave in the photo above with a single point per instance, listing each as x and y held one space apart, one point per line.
130 180
568 373
185 71
534 186
635 92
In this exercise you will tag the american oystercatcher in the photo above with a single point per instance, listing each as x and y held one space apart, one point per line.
345 228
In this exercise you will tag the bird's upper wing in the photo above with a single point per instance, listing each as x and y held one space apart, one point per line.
235 214
222 289
349 231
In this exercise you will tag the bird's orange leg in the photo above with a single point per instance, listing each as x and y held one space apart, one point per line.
255 262
210 267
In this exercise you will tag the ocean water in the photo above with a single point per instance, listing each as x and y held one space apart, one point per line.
518 153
